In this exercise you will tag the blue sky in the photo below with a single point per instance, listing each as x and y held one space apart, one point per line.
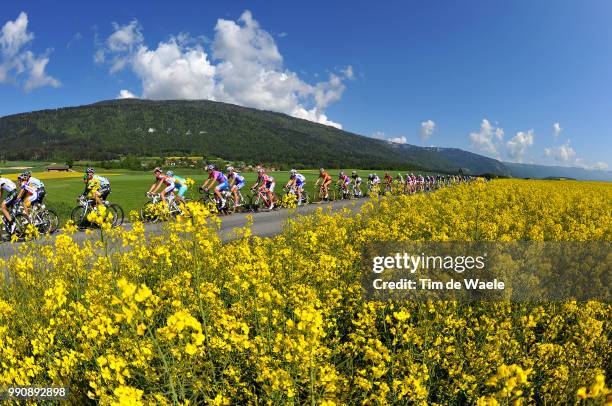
491 77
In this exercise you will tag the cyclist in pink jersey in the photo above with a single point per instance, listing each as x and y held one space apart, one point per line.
161 179
222 183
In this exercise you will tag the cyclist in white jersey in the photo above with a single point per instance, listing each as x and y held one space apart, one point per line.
8 192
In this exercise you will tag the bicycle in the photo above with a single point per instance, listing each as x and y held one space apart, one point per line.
322 194
213 203
154 210
304 197
261 197
357 193
85 206
45 220
340 193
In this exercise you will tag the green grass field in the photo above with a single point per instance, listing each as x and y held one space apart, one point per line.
129 187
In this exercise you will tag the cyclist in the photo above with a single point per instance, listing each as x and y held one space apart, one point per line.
325 180
180 184
265 183
161 179
32 188
388 181
236 182
222 183
297 181
357 184
8 190
97 187
344 181
373 181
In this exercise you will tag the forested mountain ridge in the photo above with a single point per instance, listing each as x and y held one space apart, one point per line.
110 129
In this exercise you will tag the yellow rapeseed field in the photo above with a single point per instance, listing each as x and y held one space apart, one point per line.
182 318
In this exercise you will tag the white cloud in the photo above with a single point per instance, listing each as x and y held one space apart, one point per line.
245 68
563 153
379 135
602 166
16 62
517 145
398 140
488 138
15 35
37 76
557 129
126 94
427 129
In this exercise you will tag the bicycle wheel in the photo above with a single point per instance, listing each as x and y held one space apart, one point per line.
148 213
79 217
118 215
305 197
21 225
254 202
51 221
230 206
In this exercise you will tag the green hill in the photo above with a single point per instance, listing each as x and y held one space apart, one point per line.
110 129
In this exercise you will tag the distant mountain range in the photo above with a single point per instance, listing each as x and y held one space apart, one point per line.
114 128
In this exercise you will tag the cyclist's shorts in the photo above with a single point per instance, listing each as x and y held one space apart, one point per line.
239 185
222 186
270 186
299 183
104 192
169 189
182 190
10 198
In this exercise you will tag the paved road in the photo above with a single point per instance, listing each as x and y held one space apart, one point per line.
265 224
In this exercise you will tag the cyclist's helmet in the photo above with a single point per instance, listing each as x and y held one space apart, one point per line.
210 167
354 172
260 170
321 170
370 176
293 171
170 173
230 169
341 173
89 170
156 170
26 174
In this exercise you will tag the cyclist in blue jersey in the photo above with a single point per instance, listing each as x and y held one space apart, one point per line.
297 181
236 182
180 184
222 183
